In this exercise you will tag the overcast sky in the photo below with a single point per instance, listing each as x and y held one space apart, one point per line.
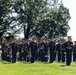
71 4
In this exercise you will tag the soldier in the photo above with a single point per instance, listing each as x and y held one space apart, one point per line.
28 58
14 46
42 50
8 52
74 51
46 45
5 52
58 48
68 49
20 50
52 47
33 47
36 53
38 50
25 50
3 48
63 50
55 49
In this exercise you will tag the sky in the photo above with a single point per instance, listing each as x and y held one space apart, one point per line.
71 4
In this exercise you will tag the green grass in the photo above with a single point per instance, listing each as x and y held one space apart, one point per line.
37 68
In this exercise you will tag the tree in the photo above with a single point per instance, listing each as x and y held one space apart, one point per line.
28 14
35 17
4 16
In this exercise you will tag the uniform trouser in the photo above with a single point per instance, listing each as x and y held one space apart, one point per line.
20 55
59 56
42 56
32 57
52 57
25 55
13 57
36 56
63 57
39 56
45 57
2 56
5 56
68 58
74 56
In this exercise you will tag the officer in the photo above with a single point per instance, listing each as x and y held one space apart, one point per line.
14 46
3 48
42 55
58 48
52 49
20 50
5 51
33 48
74 51
63 50
46 45
38 50
28 58
25 51
68 49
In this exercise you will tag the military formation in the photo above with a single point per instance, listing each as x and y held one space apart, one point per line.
41 50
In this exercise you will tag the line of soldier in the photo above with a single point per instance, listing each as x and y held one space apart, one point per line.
39 50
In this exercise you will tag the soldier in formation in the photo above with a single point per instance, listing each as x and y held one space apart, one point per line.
42 50
68 49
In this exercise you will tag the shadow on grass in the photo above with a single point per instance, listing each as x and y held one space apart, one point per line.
43 62
5 62
24 62
63 65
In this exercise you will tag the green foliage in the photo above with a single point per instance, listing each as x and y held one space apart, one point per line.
4 15
34 17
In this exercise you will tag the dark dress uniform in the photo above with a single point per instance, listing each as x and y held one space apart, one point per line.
38 52
42 51
63 53
52 46
68 49
25 51
14 51
5 53
58 48
2 55
20 51
74 53
46 45
33 47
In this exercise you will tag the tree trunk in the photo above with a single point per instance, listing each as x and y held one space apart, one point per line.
26 32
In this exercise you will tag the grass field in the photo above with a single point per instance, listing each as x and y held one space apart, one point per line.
37 68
